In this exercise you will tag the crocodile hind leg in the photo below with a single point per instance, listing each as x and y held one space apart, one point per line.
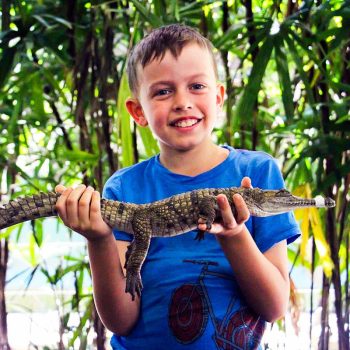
136 254
207 212
128 253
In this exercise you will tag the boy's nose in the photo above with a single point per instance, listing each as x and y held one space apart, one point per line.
182 102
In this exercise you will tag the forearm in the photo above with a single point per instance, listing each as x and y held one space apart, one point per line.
265 287
115 307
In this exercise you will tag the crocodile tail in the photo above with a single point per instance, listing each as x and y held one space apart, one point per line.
28 208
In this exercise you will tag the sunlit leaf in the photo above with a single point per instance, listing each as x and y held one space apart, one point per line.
303 217
321 243
149 142
250 93
38 232
125 124
284 78
78 156
310 218
32 251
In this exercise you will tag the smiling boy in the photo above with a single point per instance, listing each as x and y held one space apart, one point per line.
212 294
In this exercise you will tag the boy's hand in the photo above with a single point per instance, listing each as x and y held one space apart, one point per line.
80 210
230 225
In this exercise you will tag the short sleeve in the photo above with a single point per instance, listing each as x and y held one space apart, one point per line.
268 231
113 190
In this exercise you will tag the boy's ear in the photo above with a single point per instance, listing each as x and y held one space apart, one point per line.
220 94
135 110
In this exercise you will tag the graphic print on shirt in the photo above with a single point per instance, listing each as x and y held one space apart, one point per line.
190 309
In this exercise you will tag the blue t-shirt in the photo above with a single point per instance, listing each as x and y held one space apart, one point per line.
190 298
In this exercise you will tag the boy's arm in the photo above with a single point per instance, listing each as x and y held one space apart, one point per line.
262 278
79 209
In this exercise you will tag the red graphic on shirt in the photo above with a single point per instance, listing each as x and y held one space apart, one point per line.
243 331
188 313
190 309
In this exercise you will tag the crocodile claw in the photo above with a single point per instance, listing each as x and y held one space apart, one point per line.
200 235
133 284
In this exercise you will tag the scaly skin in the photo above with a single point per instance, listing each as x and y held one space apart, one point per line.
164 218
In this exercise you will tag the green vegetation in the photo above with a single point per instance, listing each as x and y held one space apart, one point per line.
286 65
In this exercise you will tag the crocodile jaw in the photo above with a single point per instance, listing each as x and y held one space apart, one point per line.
278 202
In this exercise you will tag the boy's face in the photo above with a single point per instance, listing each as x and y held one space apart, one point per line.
179 99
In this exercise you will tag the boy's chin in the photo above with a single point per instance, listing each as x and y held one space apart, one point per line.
186 147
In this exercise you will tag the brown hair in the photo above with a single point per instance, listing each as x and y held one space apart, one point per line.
173 37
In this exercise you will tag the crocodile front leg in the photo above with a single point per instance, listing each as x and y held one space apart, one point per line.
136 254
207 212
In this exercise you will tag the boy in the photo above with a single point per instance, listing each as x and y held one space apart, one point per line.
238 275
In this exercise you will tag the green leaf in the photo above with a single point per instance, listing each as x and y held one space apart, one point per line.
154 20
149 142
125 124
300 67
42 21
32 251
284 79
79 330
38 232
60 20
225 41
250 93
174 9
31 276
78 156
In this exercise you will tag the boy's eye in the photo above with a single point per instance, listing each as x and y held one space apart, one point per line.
162 92
197 86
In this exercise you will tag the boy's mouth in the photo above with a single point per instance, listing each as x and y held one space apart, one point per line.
185 122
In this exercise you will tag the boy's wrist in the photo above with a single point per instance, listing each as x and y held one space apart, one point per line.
225 239
101 240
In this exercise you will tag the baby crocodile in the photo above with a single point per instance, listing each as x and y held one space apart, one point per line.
164 218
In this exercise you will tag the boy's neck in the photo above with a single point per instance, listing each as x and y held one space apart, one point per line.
195 161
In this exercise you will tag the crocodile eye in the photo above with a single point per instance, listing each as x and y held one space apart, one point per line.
283 193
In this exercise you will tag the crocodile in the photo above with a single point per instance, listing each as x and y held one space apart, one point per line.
168 217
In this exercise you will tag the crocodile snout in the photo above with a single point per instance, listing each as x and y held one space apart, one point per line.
329 202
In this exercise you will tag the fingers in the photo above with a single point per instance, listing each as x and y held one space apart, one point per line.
84 207
73 206
60 188
226 213
230 224
241 209
95 207
61 202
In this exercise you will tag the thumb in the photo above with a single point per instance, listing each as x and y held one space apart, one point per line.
246 182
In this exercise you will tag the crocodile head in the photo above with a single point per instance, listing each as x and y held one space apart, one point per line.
271 202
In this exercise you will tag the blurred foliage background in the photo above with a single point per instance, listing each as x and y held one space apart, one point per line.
62 119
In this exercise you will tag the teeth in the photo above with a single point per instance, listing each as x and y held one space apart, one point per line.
320 202
186 122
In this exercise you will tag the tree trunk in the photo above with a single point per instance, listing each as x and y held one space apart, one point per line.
323 341
4 243
4 254
229 84
255 51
